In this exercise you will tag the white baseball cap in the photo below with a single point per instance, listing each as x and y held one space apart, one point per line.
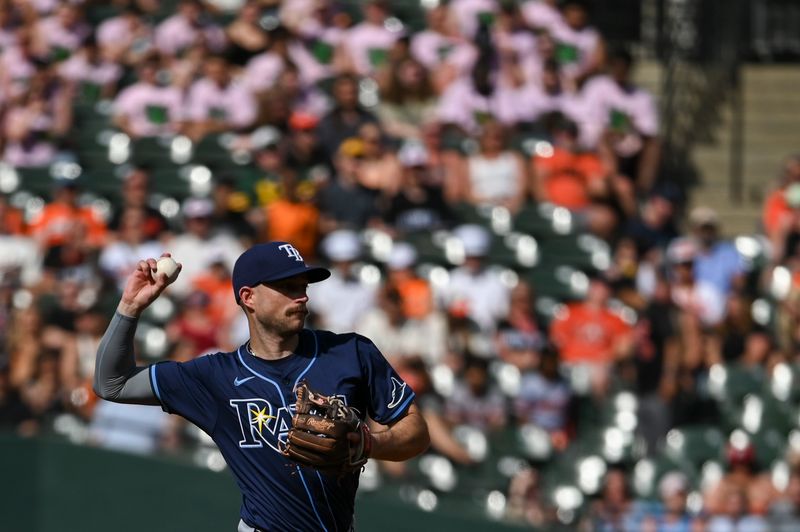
402 256
341 245
475 239
412 154
198 208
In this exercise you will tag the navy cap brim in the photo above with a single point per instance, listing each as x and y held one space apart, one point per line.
315 274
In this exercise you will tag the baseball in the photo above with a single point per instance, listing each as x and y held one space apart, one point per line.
168 267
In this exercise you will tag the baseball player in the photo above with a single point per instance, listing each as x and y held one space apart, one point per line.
295 471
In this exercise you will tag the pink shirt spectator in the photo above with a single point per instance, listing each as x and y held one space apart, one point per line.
150 109
117 31
262 71
608 105
535 102
541 15
8 38
16 70
31 151
433 49
574 48
523 46
79 69
56 36
232 104
176 34
467 13
369 45
462 105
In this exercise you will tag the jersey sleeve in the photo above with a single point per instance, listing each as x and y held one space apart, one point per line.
182 388
389 396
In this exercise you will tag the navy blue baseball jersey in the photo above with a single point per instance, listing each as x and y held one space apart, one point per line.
246 403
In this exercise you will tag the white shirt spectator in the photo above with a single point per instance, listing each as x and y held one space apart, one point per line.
131 428
119 259
151 109
195 254
233 103
22 254
608 104
176 34
485 296
340 303
426 337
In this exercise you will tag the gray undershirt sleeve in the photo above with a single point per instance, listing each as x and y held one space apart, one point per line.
117 378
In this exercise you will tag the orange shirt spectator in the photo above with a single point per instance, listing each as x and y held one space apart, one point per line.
217 285
776 210
416 297
568 177
589 334
293 221
54 225
12 221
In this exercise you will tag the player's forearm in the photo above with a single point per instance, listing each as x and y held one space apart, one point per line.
405 439
116 376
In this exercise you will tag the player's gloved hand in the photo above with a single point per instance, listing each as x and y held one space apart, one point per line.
326 434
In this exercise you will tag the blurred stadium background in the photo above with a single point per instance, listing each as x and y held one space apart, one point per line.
571 225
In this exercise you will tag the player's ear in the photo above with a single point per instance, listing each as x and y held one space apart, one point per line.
246 297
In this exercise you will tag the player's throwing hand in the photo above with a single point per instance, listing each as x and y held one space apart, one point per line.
144 285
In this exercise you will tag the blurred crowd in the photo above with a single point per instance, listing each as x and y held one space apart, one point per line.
369 137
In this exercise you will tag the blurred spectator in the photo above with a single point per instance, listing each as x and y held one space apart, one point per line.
743 490
671 514
344 202
733 514
261 71
304 155
20 255
42 116
19 62
61 34
135 196
94 76
63 217
147 108
544 399
398 335
542 15
496 175
339 303
186 28
347 116
407 99
699 300
614 510
418 205
580 49
199 244
120 257
779 216
475 401
785 512
136 429
246 37
415 373
195 326
77 358
231 210
519 340
623 119
379 170
718 262
471 14
367 44
654 226
473 287
126 38
293 218
440 48
589 333
445 164
217 103
525 499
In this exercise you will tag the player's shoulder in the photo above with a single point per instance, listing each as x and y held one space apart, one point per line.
329 341
217 361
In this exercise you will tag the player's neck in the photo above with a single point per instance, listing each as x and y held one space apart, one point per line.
272 347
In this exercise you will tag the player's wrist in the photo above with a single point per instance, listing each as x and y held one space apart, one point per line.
129 309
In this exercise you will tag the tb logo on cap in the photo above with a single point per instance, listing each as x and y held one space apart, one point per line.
291 252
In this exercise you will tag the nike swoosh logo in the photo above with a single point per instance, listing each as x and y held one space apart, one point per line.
395 397
238 382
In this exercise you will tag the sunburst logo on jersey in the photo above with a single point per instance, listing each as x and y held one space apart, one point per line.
260 418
